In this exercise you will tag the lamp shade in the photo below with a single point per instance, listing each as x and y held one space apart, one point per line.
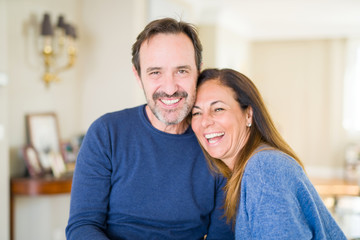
46 28
61 22
73 32
67 28
70 31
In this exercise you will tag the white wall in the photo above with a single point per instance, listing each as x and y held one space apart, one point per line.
4 158
233 50
302 84
223 48
109 28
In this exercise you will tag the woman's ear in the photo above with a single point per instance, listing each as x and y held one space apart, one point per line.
249 114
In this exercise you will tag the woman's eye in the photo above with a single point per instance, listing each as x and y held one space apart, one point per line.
195 114
218 109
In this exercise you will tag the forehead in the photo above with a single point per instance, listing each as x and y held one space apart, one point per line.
161 48
213 90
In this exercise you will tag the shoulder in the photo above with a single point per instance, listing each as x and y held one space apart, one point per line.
125 116
127 112
113 122
272 160
273 167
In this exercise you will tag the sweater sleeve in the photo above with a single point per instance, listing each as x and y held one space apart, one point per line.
279 202
218 228
273 211
91 186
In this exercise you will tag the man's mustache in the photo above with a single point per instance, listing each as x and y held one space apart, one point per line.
158 95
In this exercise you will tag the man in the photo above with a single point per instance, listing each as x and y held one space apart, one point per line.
140 173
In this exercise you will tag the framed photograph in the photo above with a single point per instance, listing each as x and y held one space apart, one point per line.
69 151
32 161
43 136
57 164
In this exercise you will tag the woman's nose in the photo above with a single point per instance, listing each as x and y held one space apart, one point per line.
206 120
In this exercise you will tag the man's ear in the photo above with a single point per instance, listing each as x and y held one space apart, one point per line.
201 67
136 74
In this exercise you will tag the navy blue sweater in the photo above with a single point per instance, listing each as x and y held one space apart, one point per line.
133 181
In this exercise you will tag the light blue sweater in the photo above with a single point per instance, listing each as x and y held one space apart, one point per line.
279 202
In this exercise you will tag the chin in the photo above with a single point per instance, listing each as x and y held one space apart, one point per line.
213 155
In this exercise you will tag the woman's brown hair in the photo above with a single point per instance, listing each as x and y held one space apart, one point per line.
262 132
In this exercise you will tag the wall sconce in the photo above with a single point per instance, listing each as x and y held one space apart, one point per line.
58 44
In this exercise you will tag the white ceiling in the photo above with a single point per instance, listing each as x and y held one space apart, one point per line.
264 19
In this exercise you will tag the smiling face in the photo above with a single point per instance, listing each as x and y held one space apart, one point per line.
219 122
168 78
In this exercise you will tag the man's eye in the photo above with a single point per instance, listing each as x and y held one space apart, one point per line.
155 73
182 71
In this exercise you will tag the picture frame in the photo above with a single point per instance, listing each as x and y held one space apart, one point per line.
69 151
57 164
43 136
32 161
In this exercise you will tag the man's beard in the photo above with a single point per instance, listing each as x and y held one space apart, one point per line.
171 116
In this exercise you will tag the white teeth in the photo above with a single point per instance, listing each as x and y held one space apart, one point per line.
170 102
211 141
212 135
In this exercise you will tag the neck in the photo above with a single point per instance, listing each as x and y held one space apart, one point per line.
179 128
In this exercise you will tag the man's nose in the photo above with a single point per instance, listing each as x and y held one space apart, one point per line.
170 85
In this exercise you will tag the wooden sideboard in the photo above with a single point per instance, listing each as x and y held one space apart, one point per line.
26 186
336 187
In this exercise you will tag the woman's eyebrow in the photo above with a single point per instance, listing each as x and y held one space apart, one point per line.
215 102
211 104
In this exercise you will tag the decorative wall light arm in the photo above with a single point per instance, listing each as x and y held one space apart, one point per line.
54 43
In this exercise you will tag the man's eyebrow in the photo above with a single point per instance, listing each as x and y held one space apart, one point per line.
184 66
150 69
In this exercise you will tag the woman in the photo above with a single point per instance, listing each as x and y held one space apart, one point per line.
268 195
